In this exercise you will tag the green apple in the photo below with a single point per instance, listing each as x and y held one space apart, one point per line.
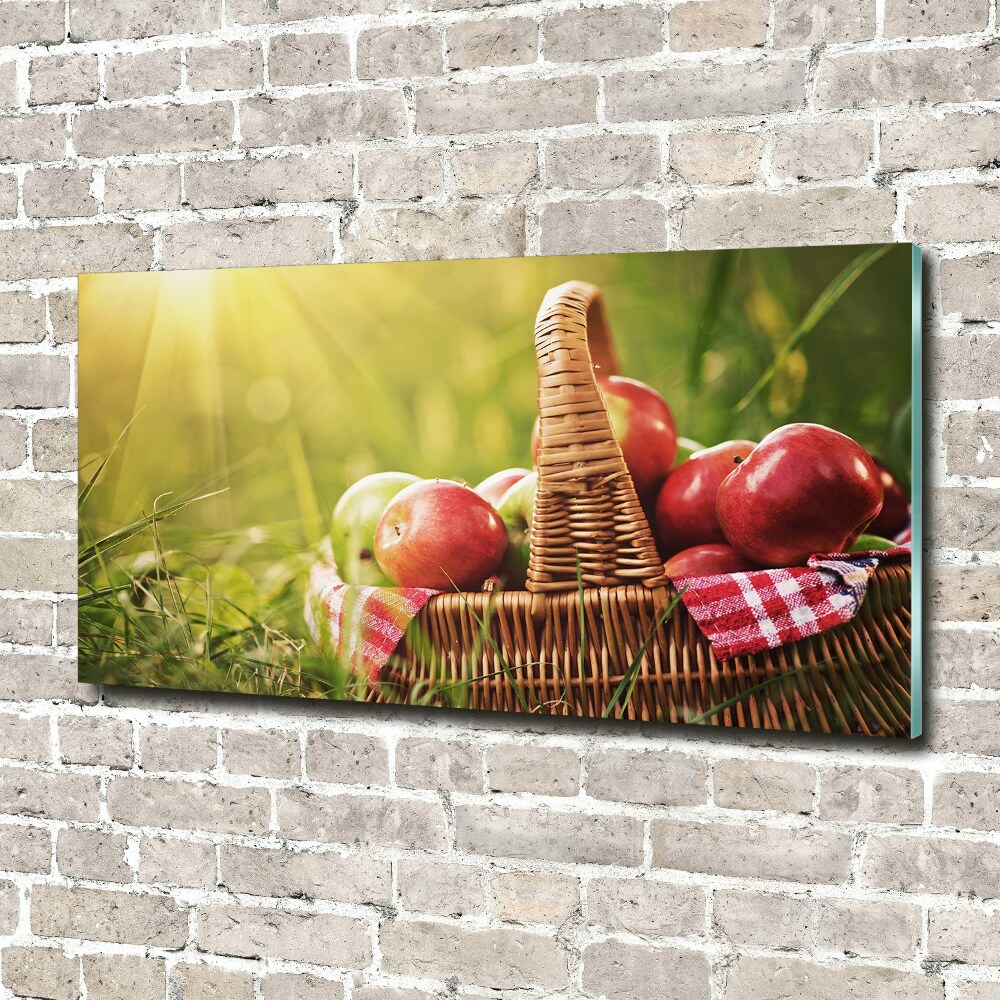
685 449
871 543
352 535
516 508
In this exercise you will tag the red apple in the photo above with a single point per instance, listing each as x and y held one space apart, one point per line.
645 429
494 487
805 488
685 507
440 534
707 560
895 512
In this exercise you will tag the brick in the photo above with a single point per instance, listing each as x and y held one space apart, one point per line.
515 958
938 865
439 764
247 243
163 129
486 170
955 212
718 24
59 193
25 737
959 367
266 12
808 22
13 443
49 795
971 286
205 982
62 316
234 66
936 142
542 834
43 973
447 890
66 623
535 897
28 22
959 658
10 908
540 771
961 593
99 915
509 41
762 919
597 34
8 196
55 251
8 85
620 226
347 758
348 877
674 93
182 805
32 138
783 786
813 215
25 849
963 518
269 753
358 114
25 620
645 906
296 60
863 795
90 20
255 932
317 177
921 18
976 990
963 934
869 928
967 801
413 50
752 851
766 978
657 778
621 970
823 152
63 79
142 74
296 986
93 739
167 861
603 161
123 977
93 854
390 993
972 443
26 676
506 104
22 318
463 231
896 77
401 174
178 748
142 187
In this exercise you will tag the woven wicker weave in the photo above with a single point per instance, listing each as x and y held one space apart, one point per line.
853 679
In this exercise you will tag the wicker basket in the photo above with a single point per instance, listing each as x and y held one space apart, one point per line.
853 679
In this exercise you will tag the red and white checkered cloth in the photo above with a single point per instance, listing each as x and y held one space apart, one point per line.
745 613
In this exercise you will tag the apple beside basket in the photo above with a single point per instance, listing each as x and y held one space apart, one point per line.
588 517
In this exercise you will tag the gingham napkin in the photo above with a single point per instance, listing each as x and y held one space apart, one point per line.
745 613
361 626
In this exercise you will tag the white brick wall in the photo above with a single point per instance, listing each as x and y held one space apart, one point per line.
171 846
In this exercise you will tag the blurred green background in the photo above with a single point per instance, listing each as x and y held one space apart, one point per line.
282 386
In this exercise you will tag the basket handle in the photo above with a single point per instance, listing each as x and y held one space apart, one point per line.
586 506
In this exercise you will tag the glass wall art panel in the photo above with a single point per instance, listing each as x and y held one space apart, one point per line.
670 488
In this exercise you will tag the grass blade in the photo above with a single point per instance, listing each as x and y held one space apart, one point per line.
825 301
92 482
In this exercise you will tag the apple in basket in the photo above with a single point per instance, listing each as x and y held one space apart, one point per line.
352 533
707 560
440 534
685 506
517 508
895 512
494 487
805 488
